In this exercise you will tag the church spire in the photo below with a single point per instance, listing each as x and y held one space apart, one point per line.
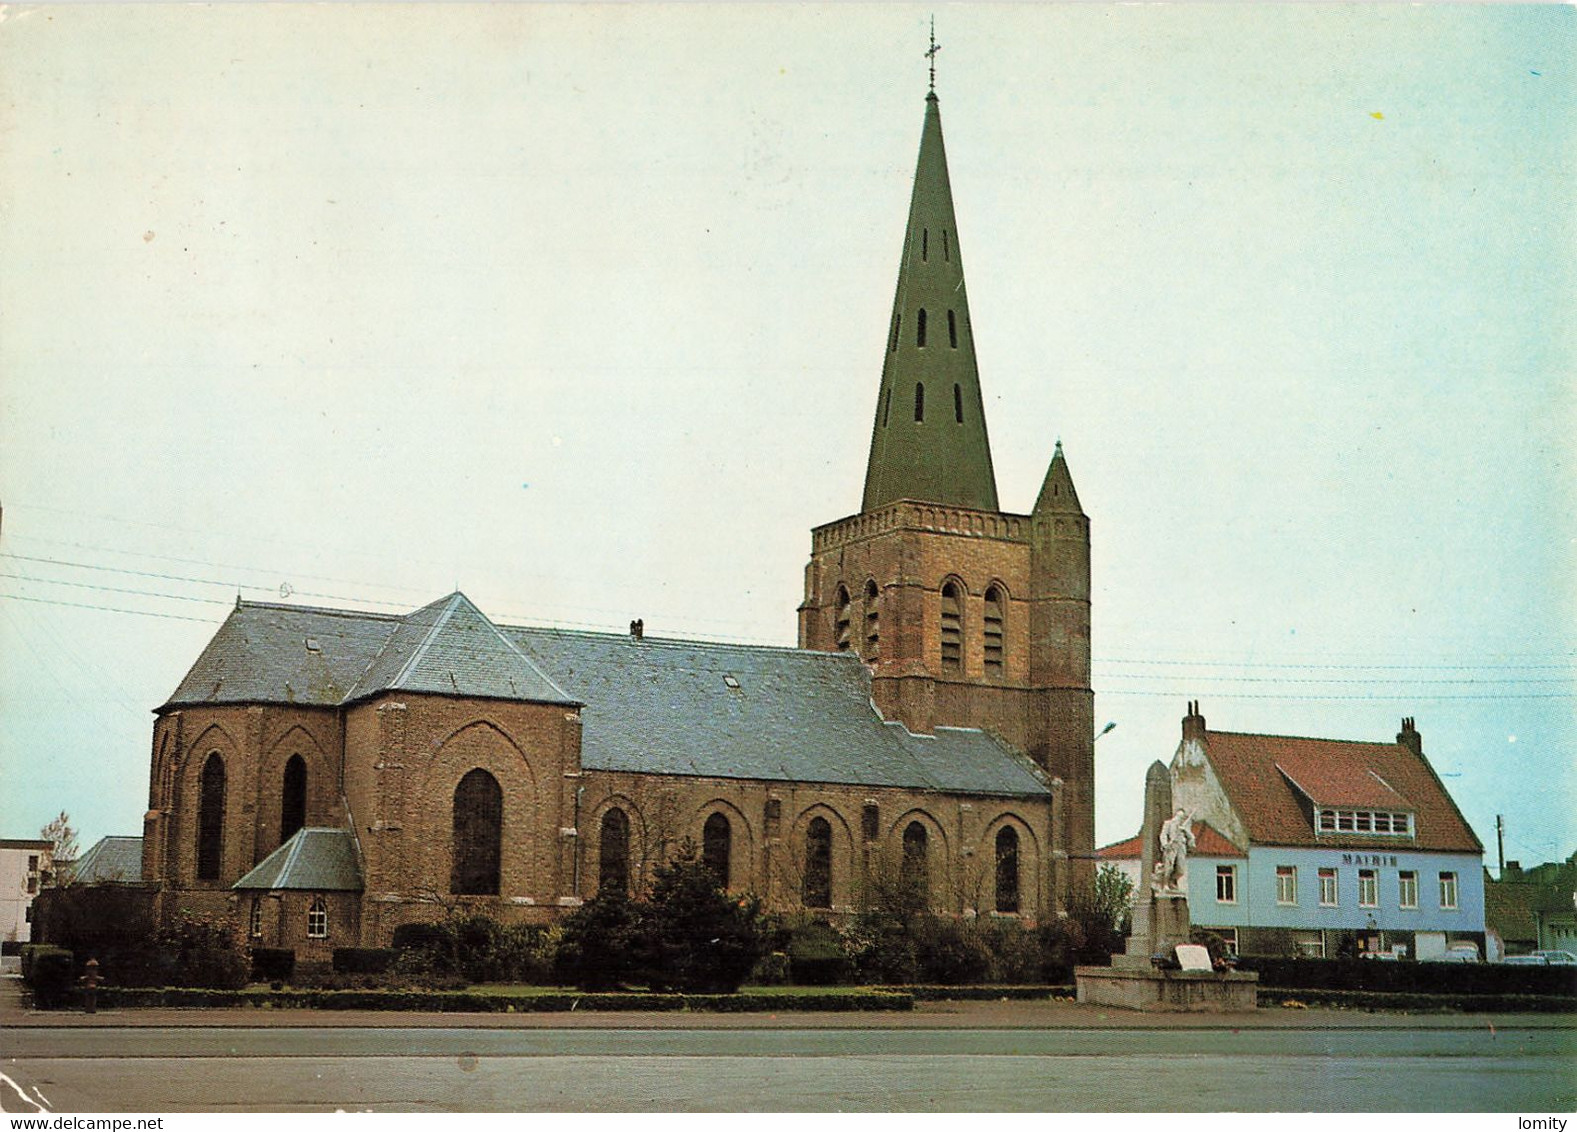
929 439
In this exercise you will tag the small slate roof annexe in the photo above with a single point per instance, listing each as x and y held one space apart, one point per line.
651 706
111 860
319 860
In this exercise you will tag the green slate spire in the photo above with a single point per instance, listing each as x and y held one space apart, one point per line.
929 440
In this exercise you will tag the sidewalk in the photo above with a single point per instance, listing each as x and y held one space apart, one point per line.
1000 1015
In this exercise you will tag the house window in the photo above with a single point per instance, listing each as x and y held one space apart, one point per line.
1007 870
1226 884
254 921
478 824
870 822
993 632
1407 889
715 837
1368 888
1327 888
913 872
32 862
1286 884
613 856
841 620
293 798
317 919
873 635
817 881
211 818
32 885
952 629
1448 891
1385 822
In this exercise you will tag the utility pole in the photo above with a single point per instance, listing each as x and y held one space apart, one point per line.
1500 844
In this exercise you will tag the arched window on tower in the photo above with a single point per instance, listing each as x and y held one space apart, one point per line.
993 619
919 401
478 835
919 328
952 330
817 880
841 614
946 249
715 847
897 326
887 406
914 872
613 851
873 635
958 403
1007 869
952 629
925 244
293 798
211 818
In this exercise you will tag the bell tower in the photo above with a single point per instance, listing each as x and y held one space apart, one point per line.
966 615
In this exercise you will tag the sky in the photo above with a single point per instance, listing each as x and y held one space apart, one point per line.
581 310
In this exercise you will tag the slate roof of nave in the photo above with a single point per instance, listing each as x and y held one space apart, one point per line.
651 706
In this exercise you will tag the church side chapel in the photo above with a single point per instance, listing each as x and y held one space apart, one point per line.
323 776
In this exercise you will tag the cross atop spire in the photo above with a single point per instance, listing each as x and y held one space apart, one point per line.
931 54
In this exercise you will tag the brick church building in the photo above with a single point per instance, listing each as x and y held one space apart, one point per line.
324 775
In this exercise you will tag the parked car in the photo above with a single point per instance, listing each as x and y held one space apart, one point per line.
1460 953
1558 958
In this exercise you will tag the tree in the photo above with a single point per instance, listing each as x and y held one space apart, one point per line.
62 838
699 939
1113 897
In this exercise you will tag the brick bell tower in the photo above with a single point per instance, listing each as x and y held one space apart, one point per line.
967 615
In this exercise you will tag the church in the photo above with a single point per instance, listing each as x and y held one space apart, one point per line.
322 776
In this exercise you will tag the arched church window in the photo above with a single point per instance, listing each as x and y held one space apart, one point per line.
873 635
913 872
919 328
211 818
293 798
952 629
897 327
925 246
841 620
478 835
715 847
958 403
919 401
952 330
887 406
254 921
318 919
1007 870
946 249
817 880
993 631
613 851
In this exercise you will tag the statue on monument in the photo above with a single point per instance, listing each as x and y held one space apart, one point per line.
1176 838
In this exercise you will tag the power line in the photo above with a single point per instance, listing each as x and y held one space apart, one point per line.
106 608
115 589
1424 698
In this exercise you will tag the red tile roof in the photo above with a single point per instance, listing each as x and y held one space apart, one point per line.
1207 843
1258 773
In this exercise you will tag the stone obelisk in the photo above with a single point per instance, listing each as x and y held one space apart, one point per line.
1160 910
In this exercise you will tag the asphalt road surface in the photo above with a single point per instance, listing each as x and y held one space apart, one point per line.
287 1068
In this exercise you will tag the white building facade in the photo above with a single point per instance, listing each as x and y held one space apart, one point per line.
24 869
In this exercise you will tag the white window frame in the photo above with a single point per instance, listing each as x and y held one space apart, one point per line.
1287 885
1407 879
1229 874
1448 892
1334 876
254 926
318 919
1368 888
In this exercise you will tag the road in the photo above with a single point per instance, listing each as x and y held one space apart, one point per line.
1474 1067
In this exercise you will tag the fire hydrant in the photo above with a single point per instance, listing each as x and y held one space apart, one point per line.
90 986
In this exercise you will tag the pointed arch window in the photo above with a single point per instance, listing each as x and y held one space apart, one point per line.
817 880
919 328
613 851
914 871
925 244
293 798
318 919
993 634
211 818
254 923
841 619
919 401
952 629
1007 870
887 407
873 634
897 327
478 823
946 249
952 330
716 838
958 403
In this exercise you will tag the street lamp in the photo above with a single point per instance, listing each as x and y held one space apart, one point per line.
1105 729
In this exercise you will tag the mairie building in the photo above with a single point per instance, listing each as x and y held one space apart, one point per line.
322 776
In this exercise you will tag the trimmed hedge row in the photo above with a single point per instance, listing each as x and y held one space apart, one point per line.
982 993
1412 978
481 1002
1420 1003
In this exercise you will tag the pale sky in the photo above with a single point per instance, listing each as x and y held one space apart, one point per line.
582 309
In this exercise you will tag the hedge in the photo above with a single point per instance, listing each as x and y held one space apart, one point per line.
1412 977
273 964
1419 1003
483 1002
983 992
51 975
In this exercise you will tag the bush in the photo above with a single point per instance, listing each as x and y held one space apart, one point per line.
771 970
421 936
197 951
273 964
950 951
698 938
363 960
601 947
1411 977
817 956
51 976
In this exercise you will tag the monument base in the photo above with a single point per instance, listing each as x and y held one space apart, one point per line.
1130 988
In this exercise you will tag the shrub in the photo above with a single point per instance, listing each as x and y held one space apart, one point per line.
699 939
817 955
600 947
51 976
273 964
950 951
421 936
202 953
363 960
